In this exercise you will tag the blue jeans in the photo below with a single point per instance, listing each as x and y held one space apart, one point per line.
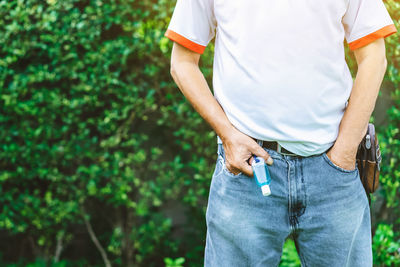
322 206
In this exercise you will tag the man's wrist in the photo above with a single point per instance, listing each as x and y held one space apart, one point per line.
348 141
346 147
226 132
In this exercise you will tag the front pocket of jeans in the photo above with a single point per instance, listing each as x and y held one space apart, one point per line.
227 172
333 165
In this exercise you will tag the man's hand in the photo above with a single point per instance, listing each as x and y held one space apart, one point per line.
342 157
239 149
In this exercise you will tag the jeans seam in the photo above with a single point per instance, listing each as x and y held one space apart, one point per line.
303 261
288 178
304 188
299 252
354 235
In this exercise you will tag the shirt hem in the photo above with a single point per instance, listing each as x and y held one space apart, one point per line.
369 38
180 39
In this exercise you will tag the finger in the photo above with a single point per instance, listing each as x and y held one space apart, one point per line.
260 152
251 159
246 169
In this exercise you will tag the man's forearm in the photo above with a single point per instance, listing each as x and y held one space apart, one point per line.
193 85
361 103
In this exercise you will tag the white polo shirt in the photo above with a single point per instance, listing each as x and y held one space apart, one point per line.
279 68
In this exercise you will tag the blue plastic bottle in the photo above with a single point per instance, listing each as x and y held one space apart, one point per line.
261 175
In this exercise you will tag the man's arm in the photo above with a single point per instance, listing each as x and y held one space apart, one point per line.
371 61
190 80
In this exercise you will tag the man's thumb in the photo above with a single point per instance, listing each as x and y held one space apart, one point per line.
263 154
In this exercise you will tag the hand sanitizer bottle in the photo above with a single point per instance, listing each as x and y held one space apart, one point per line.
261 175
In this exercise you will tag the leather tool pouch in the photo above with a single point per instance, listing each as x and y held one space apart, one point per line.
368 160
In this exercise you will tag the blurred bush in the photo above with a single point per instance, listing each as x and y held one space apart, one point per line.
94 134
386 248
290 257
102 160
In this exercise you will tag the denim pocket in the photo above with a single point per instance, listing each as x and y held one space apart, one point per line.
227 172
221 159
333 165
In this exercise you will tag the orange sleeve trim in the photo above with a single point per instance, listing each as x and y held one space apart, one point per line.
382 32
176 37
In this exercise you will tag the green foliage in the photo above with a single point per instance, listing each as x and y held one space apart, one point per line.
43 263
174 263
91 126
289 258
391 133
386 248
95 135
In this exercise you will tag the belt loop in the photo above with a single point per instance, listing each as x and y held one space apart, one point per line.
260 142
278 147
